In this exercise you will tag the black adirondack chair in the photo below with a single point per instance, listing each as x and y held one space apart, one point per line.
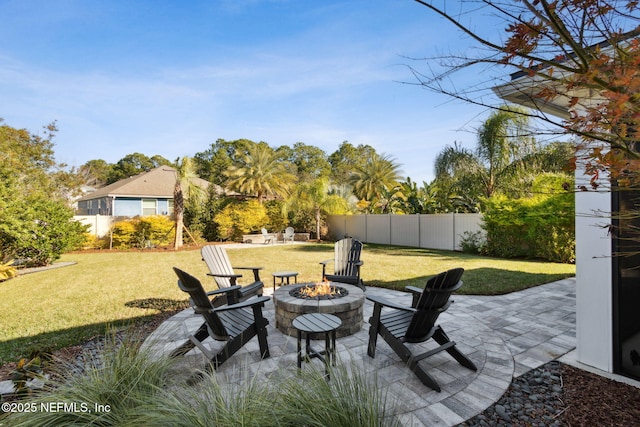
346 263
417 324
235 324
223 273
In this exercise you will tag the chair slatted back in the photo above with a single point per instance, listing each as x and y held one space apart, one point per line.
347 253
433 301
218 262
289 232
201 303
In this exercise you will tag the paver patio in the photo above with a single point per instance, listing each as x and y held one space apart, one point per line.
505 336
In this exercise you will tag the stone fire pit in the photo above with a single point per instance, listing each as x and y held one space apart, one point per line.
348 308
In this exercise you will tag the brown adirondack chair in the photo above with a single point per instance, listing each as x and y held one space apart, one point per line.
223 273
235 324
346 263
417 324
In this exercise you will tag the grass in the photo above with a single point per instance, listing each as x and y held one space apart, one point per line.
66 306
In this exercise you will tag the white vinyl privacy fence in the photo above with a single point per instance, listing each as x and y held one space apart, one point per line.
432 231
99 225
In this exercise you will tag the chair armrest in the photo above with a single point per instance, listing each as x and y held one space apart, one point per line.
358 263
415 292
324 267
247 303
413 289
224 290
256 271
383 302
230 276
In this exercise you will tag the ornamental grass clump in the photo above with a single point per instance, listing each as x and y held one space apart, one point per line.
348 399
108 392
286 398
245 402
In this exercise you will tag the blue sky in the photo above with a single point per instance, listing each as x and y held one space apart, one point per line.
171 77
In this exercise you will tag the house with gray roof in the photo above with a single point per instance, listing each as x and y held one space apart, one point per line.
149 193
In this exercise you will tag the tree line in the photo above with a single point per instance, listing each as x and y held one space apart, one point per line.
276 187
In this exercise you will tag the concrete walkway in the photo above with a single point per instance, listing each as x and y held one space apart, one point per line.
505 336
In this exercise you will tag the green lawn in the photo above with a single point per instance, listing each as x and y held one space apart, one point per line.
64 306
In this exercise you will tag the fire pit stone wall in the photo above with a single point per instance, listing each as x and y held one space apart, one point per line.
348 308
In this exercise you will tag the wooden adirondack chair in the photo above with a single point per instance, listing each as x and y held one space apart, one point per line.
288 235
221 270
268 237
346 263
417 324
235 324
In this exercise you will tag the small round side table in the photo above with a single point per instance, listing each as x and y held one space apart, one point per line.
317 323
284 275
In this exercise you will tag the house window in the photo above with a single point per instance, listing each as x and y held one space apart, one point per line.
149 207
170 206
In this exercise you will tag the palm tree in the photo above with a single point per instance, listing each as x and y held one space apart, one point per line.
418 200
503 144
261 172
184 188
375 177
503 140
318 197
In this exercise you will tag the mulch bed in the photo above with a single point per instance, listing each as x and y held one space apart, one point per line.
592 400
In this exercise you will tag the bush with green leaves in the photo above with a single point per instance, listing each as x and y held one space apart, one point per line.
277 220
39 230
541 226
240 217
472 243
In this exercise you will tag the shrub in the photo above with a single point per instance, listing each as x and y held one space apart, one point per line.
123 234
277 220
472 243
156 229
141 232
238 218
38 231
541 226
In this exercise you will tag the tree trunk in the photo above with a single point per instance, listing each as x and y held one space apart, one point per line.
318 224
178 212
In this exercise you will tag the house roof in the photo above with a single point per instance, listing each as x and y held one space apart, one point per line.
524 87
157 183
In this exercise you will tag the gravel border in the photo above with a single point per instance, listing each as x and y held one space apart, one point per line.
533 399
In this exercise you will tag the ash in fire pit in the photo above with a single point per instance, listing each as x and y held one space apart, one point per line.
319 291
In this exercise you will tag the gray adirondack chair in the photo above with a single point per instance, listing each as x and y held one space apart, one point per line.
223 273
234 324
268 237
399 325
288 235
346 263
